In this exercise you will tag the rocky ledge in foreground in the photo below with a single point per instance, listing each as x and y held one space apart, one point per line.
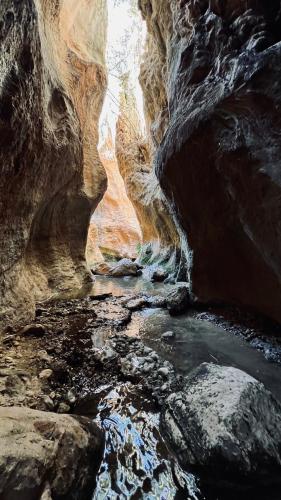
41 453
226 425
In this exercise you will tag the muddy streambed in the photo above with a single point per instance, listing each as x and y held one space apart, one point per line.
137 463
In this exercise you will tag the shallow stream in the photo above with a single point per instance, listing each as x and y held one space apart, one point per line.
137 464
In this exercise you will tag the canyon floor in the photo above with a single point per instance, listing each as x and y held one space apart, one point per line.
105 356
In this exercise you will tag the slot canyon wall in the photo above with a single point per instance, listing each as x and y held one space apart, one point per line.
211 81
161 240
114 229
52 84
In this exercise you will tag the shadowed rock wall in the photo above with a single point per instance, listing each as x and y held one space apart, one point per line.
218 127
134 154
52 82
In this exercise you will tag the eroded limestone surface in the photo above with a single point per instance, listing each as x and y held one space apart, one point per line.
52 82
211 78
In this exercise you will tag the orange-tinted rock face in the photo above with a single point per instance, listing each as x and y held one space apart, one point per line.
114 228
52 83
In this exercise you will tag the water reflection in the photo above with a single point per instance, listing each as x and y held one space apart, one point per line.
136 462
199 341
129 284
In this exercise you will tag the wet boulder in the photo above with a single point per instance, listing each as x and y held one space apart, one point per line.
159 275
178 300
101 269
40 448
225 425
149 301
125 267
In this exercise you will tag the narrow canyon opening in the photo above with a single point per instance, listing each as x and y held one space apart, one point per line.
115 230
140 276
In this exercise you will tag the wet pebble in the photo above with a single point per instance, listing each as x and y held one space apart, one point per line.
46 374
63 408
164 371
167 336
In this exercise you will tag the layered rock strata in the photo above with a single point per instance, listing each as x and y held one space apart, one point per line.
52 82
211 85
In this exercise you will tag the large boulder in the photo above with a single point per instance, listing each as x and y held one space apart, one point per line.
125 267
159 275
178 300
40 450
226 425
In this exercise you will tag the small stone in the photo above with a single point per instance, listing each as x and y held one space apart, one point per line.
136 304
168 336
49 403
147 350
8 339
104 355
164 372
46 374
35 330
29 393
147 368
44 356
159 275
63 408
71 397
60 371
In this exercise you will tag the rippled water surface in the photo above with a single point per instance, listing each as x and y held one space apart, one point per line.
137 463
129 284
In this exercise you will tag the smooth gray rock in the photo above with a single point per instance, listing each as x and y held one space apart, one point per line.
226 425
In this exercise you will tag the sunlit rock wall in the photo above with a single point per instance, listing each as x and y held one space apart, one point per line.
161 241
219 159
114 230
52 82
